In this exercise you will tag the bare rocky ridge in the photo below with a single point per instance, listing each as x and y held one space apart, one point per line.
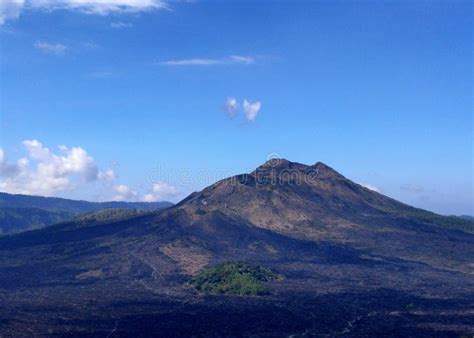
353 262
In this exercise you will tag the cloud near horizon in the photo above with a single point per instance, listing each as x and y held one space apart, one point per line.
371 187
161 191
124 193
47 173
11 9
44 172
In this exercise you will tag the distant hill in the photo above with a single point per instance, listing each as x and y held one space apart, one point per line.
14 220
24 212
75 206
467 217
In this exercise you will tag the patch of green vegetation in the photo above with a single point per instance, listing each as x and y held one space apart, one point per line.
236 278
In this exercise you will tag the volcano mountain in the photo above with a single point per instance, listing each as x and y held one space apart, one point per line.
339 259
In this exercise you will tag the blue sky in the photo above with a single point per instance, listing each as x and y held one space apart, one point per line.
135 92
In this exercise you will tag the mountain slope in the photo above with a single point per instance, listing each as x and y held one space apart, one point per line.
23 212
317 203
352 262
269 195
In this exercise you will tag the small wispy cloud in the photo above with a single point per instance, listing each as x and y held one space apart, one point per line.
231 107
228 60
99 75
89 45
251 110
121 25
412 188
11 9
371 187
51 48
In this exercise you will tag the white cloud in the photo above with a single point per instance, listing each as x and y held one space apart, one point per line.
231 107
71 160
150 198
120 25
48 173
90 45
11 170
44 172
108 176
371 187
251 110
164 188
161 191
101 7
412 188
232 59
51 48
241 59
11 9
124 193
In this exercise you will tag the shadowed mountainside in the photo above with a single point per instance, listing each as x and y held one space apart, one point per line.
352 261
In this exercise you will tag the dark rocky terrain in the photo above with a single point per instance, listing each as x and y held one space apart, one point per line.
22 212
352 262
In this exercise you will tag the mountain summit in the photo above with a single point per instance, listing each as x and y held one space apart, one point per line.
340 253
316 202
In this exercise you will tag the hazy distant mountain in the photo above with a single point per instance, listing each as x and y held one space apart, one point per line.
75 206
23 212
13 220
318 253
